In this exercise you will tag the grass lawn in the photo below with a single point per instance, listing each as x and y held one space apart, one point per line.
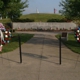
5 21
14 42
72 44
41 17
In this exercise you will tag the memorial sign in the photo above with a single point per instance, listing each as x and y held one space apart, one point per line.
64 35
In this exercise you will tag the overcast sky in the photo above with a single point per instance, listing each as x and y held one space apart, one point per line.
43 6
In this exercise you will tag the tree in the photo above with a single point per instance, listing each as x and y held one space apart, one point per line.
12 8
1 3
70 8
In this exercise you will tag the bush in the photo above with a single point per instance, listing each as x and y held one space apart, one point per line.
12 30
8 25
59 20
23 20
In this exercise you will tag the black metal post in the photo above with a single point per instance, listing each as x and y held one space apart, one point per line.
20 48
60 50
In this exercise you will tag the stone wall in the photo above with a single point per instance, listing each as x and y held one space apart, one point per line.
45 25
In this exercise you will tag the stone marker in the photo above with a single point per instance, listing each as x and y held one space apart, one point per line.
64 36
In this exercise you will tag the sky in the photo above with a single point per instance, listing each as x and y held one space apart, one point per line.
42 6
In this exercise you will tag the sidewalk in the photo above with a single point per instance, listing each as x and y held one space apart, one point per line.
40 61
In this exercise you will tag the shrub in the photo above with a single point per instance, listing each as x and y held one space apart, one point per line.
8 25
12 30
23 20
59 20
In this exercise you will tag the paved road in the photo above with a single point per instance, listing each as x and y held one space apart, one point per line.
40 61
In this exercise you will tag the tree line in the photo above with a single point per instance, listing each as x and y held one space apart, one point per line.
12 8
70 8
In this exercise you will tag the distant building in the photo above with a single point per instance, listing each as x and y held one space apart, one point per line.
37 11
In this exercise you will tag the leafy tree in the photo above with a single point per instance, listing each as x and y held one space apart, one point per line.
1 3
12 8
70 8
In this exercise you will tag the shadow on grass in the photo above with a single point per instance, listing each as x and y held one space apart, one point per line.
71 43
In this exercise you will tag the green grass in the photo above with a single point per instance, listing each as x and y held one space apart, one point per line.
37 17
14 42
41 17
5 21
72 44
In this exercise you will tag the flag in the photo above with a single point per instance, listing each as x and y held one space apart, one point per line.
54 10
